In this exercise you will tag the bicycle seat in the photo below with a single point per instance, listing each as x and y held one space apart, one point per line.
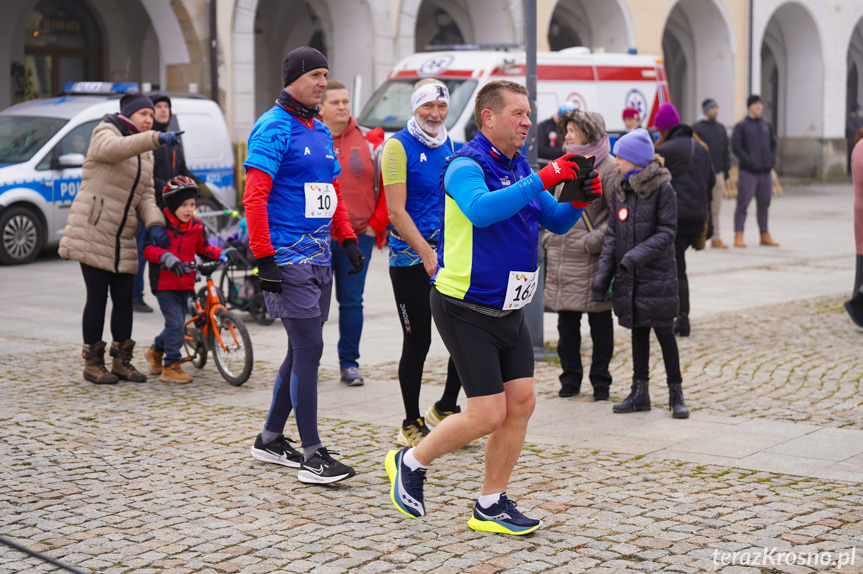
206 269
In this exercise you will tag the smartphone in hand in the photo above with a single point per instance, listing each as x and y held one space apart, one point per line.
572 189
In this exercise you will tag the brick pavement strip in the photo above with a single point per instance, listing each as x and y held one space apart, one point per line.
148 478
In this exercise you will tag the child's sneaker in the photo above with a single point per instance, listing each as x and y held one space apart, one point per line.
154 358
174 373
503 518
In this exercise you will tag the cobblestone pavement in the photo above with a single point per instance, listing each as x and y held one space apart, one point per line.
152 478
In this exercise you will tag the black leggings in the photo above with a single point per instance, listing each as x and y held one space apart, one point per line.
641 353
411 288
99 282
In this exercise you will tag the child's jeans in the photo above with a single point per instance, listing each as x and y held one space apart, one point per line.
170 340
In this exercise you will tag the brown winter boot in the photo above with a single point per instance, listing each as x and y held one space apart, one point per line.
174 373
767 240
94 365
122 365
738 239
154 358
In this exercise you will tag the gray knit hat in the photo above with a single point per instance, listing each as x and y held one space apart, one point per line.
591 124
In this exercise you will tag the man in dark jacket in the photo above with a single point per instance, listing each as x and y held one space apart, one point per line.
754 144
713 133
693 180
548 137
169 161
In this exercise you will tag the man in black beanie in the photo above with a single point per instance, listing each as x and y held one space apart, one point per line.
169 161
293 207
754 143
713 133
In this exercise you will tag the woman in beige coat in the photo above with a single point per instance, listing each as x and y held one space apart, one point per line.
116 188
571 264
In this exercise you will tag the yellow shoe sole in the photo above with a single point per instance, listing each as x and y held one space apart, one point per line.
497 528
390 465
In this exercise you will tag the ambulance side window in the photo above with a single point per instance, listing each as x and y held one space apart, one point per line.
76 141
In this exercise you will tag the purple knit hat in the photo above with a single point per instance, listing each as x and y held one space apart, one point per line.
666 117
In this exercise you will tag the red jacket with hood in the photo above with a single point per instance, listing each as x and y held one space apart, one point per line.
187 240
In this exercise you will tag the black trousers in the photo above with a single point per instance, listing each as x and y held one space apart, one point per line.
569 348
641 353
99 282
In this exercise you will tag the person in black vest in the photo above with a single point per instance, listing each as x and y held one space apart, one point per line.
754 143
714 134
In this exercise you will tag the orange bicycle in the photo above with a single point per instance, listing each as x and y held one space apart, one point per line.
215 329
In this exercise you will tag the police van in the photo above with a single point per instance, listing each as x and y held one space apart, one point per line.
602 82
42 148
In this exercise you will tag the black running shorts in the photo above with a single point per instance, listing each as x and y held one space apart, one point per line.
487 351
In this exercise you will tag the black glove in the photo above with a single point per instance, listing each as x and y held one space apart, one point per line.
159 236
592 188
231 255
352 250
170 137
173 264
269 274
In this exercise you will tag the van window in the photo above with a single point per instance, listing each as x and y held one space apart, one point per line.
200 141
390 106
76 141
22 136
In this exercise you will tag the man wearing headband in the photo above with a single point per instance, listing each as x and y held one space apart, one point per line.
412 163
293 207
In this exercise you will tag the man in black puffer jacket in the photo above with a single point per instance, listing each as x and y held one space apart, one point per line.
714 134
693 179
754 143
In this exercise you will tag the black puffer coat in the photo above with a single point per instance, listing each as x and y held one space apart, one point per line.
638 250
692 174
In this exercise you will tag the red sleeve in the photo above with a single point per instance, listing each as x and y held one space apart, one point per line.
380 219
208 250
258 185
153 252
341 228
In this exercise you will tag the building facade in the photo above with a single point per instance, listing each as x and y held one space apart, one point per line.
806 56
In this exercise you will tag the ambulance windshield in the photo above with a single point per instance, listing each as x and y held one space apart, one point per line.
390 106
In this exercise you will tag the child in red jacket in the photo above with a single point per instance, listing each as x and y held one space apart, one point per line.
177 280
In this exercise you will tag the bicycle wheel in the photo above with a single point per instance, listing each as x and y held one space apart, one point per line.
258 310
234 361
195 347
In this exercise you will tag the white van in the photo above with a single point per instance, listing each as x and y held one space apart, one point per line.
42 148
601 82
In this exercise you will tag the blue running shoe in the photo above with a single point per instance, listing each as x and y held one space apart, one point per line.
406 485
502 518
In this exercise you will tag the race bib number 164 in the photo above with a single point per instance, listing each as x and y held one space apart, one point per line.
519 289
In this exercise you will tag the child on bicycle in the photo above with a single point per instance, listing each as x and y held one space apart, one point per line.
175 283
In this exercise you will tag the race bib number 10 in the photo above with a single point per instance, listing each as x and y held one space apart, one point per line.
519 289
321 200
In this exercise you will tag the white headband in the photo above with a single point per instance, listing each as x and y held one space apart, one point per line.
429 93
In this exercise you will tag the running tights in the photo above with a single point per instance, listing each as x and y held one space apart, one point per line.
296 386
411 288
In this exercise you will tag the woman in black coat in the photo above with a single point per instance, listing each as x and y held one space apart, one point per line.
637 263
693 178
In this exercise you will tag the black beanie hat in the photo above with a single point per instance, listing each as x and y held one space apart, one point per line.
706 105
131 103
175 200
753 99
160 97
301 61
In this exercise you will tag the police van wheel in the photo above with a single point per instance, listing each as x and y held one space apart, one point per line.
20 236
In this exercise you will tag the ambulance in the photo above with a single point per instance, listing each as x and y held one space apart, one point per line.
601 82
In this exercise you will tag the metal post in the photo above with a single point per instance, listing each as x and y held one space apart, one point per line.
214 54
534 309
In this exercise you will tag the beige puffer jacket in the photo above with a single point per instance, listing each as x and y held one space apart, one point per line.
569 268
116 182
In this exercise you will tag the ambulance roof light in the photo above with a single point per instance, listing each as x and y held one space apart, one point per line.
470 47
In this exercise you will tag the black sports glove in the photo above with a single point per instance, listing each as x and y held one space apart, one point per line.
173 264
269 274
352 250
231 255
592 187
